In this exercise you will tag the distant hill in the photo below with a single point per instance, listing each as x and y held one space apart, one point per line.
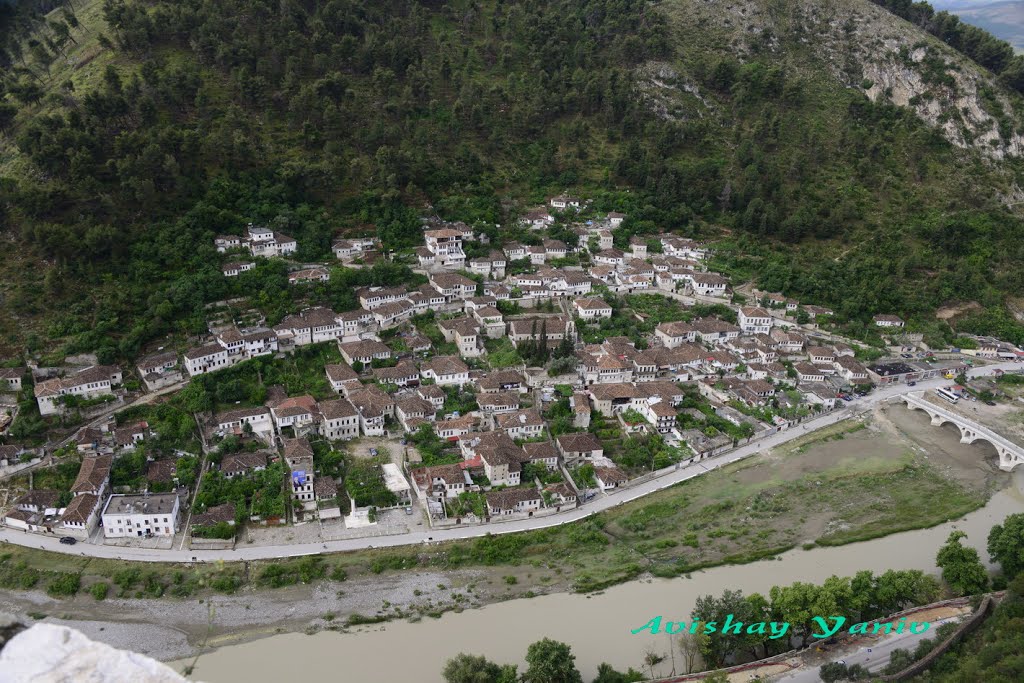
1003 19
845 156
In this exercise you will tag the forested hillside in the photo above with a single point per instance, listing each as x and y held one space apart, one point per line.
133 132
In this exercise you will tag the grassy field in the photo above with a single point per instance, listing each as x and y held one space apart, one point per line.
840 485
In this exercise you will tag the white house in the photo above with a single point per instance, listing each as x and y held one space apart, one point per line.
675 334
10 378
446 371
441 481
340 420
82 515
90 383
589 308
754 320
364 351
888 321
511 501
206 358
564 202
708 284
445 245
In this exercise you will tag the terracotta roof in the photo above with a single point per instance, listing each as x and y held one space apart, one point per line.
520 418
296 449
204 351
500 378
237 415
296 405
40 498
93 473
96 373
610 475
505 398
215 515
445 365
325 487
238 463
583 442
341 373
414 405
80 508
544 450
507 499
161 470
592 304
337 409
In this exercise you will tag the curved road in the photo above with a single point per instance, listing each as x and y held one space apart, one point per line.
859 406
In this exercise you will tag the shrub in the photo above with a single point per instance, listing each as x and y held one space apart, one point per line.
99 590
127 578
226 583
64 585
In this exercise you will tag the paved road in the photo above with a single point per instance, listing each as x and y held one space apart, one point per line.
684 473
874 656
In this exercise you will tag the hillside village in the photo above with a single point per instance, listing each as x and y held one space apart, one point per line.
511 380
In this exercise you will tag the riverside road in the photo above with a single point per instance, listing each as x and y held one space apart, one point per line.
683 473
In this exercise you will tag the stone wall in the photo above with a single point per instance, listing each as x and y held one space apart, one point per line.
965 628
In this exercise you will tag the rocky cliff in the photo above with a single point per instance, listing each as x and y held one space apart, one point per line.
861 46
50 653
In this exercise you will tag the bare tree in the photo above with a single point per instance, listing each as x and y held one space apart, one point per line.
690 647
652 659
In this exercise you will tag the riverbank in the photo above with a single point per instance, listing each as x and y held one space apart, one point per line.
597 626
852 480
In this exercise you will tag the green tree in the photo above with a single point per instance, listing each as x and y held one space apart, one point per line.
607 674
464 668
721 644
549 661
1006 545
961 567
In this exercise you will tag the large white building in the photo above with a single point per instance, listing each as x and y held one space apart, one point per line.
444 248
754 320
141 515
207 358
340 420
92 382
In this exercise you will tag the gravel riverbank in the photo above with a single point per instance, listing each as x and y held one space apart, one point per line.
172 629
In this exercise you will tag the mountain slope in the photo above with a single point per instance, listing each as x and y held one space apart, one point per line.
766 120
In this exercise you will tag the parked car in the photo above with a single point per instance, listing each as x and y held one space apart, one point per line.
68 540
408 510
911 384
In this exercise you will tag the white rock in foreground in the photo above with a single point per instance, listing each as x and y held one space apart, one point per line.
48 653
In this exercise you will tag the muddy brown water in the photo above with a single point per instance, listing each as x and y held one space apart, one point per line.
596 626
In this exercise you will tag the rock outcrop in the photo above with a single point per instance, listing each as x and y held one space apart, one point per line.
58 654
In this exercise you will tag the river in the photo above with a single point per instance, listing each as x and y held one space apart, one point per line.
596 626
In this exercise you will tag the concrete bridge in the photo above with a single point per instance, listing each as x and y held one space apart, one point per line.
1010 454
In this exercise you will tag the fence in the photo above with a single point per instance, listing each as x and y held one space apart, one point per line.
211 543
498 519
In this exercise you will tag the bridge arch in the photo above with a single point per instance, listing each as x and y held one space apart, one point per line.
1010 454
